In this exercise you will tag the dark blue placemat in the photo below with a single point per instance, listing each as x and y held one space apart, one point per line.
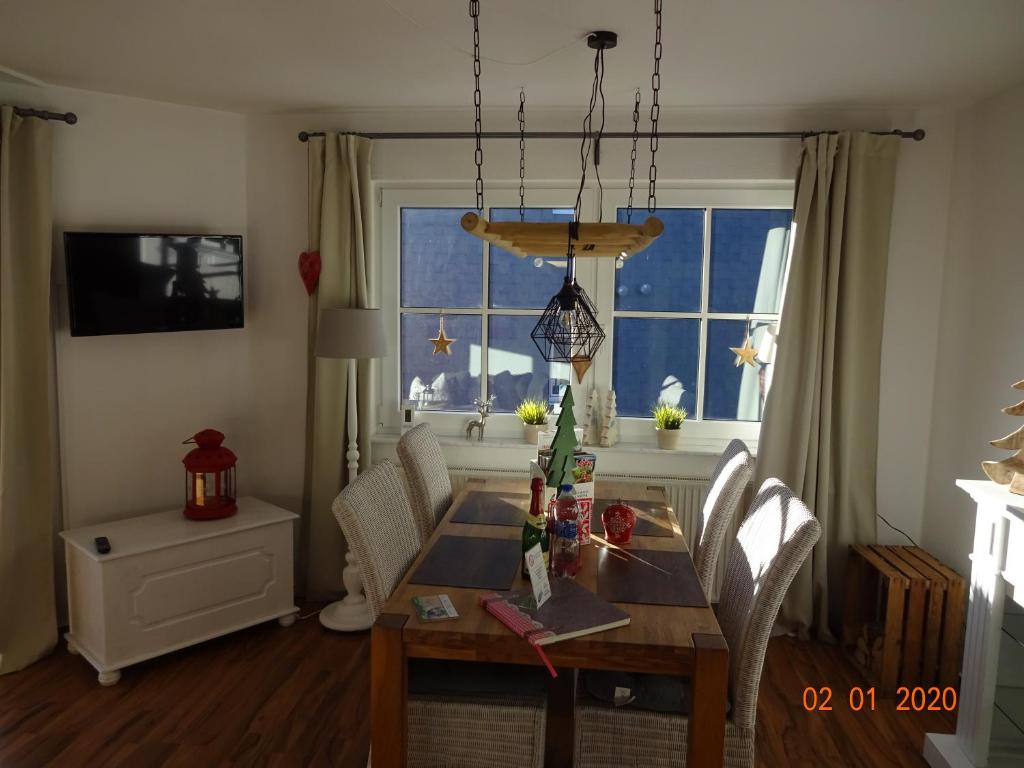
471 562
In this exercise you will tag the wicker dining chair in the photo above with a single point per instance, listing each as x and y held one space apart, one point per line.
454 709
427 473
728 482
773 541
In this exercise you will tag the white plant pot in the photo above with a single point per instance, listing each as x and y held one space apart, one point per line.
532 431
668 439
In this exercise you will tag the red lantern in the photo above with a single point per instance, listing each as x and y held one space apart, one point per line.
209 477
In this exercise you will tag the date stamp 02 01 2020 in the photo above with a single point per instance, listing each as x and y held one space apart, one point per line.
916 699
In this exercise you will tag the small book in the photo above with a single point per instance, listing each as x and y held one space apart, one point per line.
572 611
434 608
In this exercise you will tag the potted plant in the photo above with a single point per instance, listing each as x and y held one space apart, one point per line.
667 421
534 415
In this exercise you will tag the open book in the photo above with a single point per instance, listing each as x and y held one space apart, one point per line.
572 611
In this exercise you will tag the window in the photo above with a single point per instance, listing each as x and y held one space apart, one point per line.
671 313
714 276
491 301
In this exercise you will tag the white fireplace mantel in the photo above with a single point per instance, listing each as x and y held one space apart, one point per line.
997 573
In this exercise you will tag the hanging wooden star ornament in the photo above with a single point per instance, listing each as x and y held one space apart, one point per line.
745 354
441 342
581 365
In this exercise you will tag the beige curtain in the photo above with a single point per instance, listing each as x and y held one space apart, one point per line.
339 226
28 627
820 430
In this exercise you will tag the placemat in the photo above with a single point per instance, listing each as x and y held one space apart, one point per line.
470 561
493 508
651 519
648 576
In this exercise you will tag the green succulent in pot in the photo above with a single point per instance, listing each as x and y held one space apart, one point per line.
533 412
667 421
534 415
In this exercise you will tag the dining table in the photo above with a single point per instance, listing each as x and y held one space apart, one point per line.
672 629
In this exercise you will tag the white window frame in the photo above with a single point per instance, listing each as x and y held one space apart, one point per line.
392 200
747 195
597 276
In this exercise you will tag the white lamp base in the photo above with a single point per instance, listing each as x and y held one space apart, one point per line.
351 613
346 617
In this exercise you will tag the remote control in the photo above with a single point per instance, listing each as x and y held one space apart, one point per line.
102 545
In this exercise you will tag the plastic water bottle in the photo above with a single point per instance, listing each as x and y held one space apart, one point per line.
565 549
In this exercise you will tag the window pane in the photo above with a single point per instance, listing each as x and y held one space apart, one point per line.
664 277
655 360
731 391
516 283
442 264
516 370
441 382
748 259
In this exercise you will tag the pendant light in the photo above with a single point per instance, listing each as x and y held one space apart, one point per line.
568 330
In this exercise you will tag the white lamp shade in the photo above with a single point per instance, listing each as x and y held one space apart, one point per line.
351 334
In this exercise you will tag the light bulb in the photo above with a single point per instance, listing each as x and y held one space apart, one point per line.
620 262
538 262
566 320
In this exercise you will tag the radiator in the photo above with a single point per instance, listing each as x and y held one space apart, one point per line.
685 494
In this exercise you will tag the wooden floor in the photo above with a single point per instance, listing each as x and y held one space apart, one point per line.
269 696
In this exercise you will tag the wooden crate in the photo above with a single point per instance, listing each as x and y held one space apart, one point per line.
903 621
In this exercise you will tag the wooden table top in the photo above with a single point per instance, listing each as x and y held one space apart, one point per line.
658 639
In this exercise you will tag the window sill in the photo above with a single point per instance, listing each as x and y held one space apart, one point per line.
694 457
688 446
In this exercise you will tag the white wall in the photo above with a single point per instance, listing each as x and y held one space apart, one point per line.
909 339
127 402
980 331
276 214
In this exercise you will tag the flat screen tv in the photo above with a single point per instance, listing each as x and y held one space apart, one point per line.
141 283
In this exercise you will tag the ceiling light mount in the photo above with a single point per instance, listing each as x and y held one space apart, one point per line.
602 40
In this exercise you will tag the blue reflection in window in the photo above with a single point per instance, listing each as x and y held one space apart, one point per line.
441 382
516 283
442 264
665 276
516 370
734 392
749 248
655 360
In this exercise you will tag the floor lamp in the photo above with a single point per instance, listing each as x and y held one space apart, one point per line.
350 334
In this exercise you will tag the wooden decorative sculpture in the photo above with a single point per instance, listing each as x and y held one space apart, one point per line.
1009 471
549 239
610 425
592 421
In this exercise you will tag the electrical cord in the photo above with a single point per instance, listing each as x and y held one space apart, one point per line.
901 532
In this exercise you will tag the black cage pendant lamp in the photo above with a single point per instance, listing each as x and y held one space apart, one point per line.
568 331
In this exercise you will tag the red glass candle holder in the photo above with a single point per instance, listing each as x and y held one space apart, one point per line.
619 520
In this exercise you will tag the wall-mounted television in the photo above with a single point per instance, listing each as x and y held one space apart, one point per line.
142 283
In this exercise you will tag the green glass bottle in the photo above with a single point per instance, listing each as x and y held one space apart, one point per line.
535 529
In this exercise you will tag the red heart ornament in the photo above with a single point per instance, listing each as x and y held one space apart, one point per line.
309 269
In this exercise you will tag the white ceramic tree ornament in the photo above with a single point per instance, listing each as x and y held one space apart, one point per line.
610 425
592 419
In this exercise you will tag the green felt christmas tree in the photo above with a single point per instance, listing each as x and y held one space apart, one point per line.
564 444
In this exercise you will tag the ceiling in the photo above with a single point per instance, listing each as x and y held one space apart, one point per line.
301 55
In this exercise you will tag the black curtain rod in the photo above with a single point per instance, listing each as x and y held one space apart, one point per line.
917 134
65 117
